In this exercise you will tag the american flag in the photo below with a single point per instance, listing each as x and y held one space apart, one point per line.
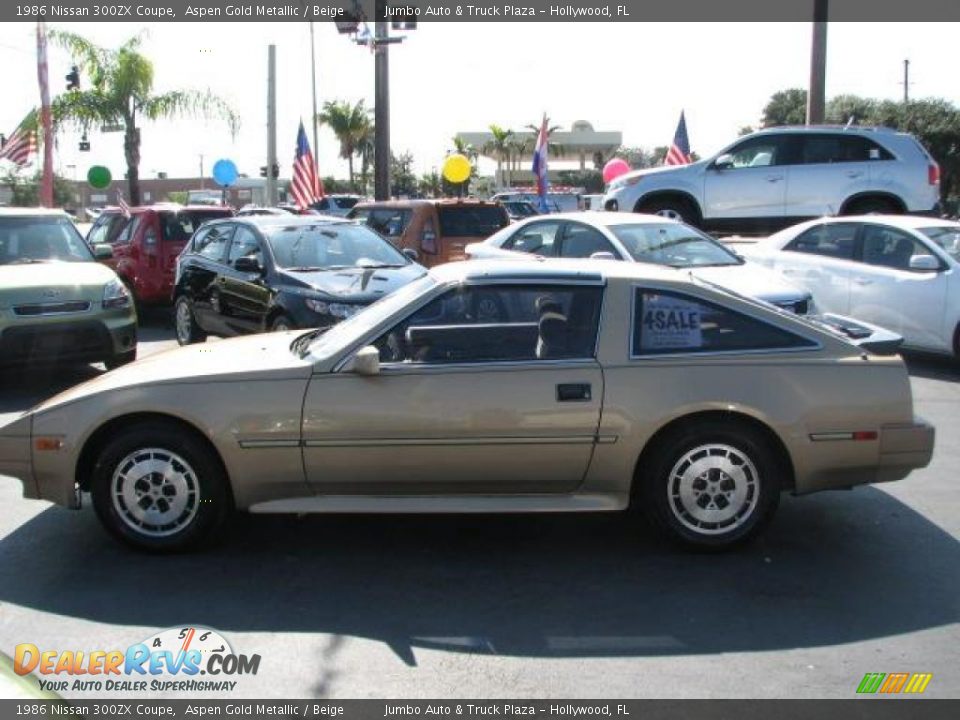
679 152
19 146
540 165
305 186
122 204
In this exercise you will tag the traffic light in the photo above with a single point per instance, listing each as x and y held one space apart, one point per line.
276 169
348 27
263 171
84 143
73 79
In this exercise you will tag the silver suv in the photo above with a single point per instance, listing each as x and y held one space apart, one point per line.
779 176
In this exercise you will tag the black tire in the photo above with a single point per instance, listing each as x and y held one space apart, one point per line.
120 359
197 476
185 322
282 323
673 208
742 501
873 205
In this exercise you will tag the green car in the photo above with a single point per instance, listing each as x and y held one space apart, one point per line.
57 303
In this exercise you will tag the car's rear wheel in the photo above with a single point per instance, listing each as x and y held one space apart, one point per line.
188 331
873 205
159 488
672 208
711 484
119 359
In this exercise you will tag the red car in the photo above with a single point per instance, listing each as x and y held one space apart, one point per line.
146 244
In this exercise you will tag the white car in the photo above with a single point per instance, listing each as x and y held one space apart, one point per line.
642 238
902 273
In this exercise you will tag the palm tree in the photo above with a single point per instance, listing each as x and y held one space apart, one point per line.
366 148
499 147
121 92
351 125
551 147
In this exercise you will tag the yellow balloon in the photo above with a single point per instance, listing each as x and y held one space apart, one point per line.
456 168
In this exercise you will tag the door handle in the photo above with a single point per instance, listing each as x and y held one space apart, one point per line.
573 392
854 173
863 281
774 178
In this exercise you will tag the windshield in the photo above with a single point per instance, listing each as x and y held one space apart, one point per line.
179 226
947 237
26 240
353 328
673 244
330 246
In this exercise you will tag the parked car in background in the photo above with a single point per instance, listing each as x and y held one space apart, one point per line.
253 274
249 210
436 230
646 239
558 200
338 204
606 386
902 273
146 242
778 176
519 209
57 304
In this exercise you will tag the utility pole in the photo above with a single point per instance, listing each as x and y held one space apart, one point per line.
906 81
201 171
313 87
381 164
816 92
271 124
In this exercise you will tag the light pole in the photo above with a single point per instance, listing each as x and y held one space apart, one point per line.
816 93
381 105
313 87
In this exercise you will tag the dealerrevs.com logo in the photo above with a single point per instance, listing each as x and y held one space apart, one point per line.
894 683
179 659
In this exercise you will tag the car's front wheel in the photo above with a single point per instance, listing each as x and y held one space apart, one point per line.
158 487
711 484
672 208
188 331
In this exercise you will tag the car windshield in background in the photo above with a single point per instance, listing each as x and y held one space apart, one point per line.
471 220
520 208
180 226
947 237
25 240
332 247
674 245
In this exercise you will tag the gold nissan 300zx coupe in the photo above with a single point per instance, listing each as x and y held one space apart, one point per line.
487 386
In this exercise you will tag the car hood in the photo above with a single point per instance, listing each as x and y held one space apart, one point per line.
662 169
53 282
235 360
357 285
753 280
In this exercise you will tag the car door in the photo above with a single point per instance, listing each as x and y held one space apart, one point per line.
821 259
582 241
887 292
832 168
244 296
461 406
201 269
754 185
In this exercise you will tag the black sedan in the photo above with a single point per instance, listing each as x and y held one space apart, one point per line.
253 274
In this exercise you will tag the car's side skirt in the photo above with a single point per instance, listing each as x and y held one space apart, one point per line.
399 504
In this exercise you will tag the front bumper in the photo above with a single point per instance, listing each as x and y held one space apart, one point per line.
15 455
904 448
76 341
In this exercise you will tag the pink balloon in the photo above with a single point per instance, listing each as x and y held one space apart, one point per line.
614 169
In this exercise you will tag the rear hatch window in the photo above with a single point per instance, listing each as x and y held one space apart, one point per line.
180 226
389 222
471 220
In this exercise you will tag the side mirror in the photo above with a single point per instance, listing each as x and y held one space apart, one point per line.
926 263
603 255
247 264
102 251
723 162
365 362
411 254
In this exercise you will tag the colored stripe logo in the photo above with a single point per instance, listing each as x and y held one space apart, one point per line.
893 683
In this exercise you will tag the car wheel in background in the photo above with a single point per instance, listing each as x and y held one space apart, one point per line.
873 206
672 208
711 485
120 359
185 323
158 487
281 323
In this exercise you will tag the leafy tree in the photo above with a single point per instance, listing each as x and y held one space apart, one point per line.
787 107
499 147
402 179
590 180
430 184
335 185
351 125
25 190
637 157
121 92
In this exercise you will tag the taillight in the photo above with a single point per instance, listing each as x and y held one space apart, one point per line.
933 173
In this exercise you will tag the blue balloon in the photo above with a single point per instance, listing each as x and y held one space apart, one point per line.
224 173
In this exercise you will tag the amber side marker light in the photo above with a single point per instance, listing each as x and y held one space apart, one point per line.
48 443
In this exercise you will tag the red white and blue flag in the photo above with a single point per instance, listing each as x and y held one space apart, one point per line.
20 146
305 186
540 165
679 152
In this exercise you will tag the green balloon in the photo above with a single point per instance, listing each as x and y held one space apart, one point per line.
99 177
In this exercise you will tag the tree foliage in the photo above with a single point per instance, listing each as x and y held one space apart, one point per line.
353 128
25 190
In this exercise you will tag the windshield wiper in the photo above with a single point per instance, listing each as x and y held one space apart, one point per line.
380 265
306 268
300 345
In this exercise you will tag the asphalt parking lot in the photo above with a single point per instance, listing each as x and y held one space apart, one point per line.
841 584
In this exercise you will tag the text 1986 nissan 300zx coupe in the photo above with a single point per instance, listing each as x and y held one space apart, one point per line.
486 386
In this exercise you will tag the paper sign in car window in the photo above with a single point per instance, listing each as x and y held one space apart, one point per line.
670 323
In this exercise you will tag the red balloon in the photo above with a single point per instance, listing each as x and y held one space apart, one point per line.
614 169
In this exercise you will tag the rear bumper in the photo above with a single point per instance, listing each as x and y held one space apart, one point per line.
904 448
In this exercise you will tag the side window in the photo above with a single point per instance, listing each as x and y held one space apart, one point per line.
108 229
759 152
211 242
98 233
386 221
500 323
580 241
855 148
129 229
887 247
836 240
536 239
244 244
670 323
